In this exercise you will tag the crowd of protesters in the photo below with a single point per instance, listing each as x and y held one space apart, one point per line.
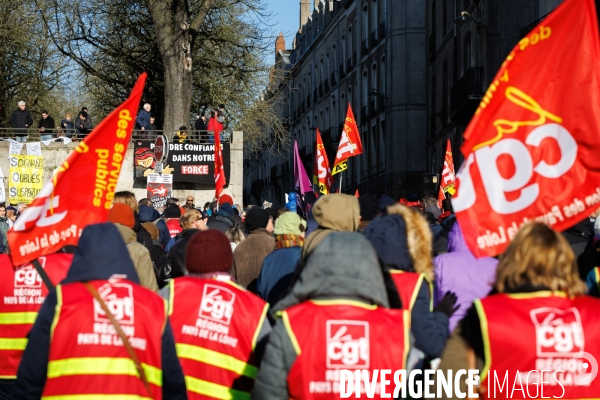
253 296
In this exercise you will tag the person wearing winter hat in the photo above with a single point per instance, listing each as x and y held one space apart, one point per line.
278 269
225 198
122 216
369 210
208 262
249 255
192 222
223 219
172 213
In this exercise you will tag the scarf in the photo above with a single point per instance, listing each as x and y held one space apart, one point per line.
289 240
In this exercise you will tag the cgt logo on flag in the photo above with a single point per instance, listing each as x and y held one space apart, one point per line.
118 298
347 344
217 304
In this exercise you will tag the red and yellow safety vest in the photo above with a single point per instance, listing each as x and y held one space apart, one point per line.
87 359
216 326
408 285
22 293
330 335
174 226
531 332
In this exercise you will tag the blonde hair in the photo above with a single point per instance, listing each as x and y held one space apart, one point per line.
187 220
128 198
235 235
11 213
539 256
418 237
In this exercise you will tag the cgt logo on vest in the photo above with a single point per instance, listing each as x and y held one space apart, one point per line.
217 304
347 344
28 277
119 300
559 333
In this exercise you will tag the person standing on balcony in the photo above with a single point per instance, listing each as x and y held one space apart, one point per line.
21 118
46 126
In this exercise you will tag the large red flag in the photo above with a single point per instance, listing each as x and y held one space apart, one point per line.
350 143
531 150
219 171
448 177
82 189
321 170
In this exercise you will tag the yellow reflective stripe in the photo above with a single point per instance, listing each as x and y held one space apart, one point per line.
597 273
406 320
18 318
8 377
261 321
214 390
171 295
341 302
416 292
485 334
13 344
430 285
56 310
215 359
533 295
96 397
102 366
288 327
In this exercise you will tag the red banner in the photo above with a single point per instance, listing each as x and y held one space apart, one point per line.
321 170
82 189
350 143
448 177
219 171
531 150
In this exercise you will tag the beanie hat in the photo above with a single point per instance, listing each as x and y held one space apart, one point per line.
369 207
225 208
208 251
172 211
225 199
289 223
256 218
121 213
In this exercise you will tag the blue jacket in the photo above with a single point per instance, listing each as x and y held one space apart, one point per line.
143 119
276 274
100 254
149 214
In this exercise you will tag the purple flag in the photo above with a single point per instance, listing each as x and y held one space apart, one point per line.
301 182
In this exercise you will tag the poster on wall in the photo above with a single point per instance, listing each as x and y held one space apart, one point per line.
159 188
25 178
187 162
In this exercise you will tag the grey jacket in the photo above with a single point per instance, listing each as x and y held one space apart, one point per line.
342 266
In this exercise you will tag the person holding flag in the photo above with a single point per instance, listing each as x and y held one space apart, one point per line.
350 143
321 170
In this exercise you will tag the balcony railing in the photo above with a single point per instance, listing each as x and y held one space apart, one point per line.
364 46
374 38
466 94
382 29
364 115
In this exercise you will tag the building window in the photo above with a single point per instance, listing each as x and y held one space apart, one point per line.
383 79
467 54
374 16
365 22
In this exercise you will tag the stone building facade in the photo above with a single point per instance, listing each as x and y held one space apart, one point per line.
367 53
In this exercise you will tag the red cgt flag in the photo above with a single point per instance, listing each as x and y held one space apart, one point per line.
448 177
531 150
81 191
219 171
321 170
350 143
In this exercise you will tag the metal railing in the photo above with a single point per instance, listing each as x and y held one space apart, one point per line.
33 135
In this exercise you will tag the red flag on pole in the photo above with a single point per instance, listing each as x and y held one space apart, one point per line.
350 143
321 170
448 177
441 197
219 171
531 149
82 190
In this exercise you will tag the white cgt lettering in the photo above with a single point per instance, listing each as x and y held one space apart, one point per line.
496 186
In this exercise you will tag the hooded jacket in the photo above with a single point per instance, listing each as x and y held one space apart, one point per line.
343 267
149 214
459 271
332 213
249 256
100 254
403 241
140 256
